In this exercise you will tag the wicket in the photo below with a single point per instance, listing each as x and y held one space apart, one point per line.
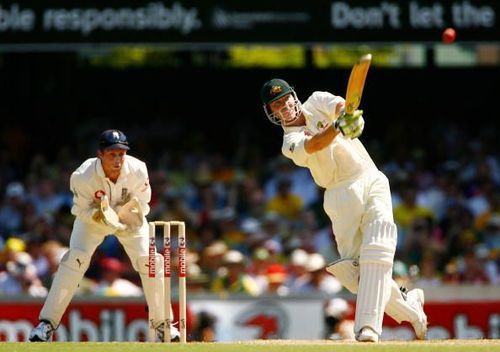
167 299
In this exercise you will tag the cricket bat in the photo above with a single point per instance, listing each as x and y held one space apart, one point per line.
356 83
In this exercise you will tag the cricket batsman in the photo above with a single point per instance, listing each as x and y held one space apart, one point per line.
111 195
319 135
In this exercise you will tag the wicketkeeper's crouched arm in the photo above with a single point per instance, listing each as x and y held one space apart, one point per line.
85 207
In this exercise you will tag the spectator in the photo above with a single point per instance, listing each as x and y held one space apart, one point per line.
491 234
11 247
21 277
232 278
197 281
400 274
451 274
45 199
111 283
406 213
483 219
472 269
277 276
205 327
301 181
338 326
212 258
297 266
422 235
285 203
12 210
317 279
428 271
261 260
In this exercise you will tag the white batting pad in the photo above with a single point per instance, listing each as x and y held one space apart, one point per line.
347 272
73 266
153 287
379 243
372 296
376 259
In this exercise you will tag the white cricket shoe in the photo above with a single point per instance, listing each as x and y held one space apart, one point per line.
42 332
175 335
416 299
367 335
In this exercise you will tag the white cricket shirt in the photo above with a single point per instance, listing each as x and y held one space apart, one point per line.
342 160
88 184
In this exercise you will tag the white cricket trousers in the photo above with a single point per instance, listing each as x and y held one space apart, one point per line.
363 224
83 242
353 204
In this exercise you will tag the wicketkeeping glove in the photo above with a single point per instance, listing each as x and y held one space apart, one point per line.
351 125
107 216
131 215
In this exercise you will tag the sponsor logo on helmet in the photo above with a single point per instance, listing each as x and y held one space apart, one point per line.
276 90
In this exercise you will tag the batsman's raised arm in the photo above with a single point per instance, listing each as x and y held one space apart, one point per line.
327 105
296 145
321 140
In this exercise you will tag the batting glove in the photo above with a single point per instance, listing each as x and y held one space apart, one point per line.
351 125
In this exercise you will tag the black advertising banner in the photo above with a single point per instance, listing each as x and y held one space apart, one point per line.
219 22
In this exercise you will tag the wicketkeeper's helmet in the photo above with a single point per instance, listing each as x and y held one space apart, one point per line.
113 139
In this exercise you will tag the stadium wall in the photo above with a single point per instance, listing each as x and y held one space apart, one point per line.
457 312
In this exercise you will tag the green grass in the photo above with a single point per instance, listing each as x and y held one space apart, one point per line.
257 346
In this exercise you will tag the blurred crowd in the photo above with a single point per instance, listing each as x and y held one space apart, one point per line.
255 224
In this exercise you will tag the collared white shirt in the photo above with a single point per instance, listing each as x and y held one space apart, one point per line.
89 183
342 160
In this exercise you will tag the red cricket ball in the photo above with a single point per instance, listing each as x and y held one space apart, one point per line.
449 35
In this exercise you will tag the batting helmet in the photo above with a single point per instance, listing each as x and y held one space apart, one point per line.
273 90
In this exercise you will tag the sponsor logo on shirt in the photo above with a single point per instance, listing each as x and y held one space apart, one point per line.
145 186
99 193
321 125
124 194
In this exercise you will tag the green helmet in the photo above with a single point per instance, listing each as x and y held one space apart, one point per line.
273 90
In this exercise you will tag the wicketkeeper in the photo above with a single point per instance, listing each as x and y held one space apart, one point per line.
111 195
320 136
